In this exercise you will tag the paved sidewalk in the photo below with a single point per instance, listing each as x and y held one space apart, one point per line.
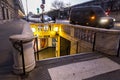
92 66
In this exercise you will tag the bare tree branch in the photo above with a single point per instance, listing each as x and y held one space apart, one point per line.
57 4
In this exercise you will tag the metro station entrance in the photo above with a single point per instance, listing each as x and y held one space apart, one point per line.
50 42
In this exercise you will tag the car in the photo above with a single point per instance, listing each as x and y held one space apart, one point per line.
46 18
38 18
34 19
93 16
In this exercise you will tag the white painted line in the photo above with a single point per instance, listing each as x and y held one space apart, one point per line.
83 70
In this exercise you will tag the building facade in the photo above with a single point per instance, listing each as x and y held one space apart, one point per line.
10 9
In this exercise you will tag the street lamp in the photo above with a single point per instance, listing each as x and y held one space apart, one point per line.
27 10
42 7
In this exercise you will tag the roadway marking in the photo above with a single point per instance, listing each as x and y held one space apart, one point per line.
83 70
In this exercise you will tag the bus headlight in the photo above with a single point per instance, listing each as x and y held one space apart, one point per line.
103 21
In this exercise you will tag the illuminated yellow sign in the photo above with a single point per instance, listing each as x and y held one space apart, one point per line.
45 30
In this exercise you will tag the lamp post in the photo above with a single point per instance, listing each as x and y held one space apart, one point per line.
27 10
42 7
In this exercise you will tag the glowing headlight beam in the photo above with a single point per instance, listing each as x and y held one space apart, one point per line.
102 21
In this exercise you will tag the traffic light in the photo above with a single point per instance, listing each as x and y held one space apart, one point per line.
38 10
43 1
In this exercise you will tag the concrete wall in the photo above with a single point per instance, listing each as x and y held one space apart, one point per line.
84 46
107 43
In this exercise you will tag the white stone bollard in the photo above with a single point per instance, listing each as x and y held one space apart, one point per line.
22 43
28 52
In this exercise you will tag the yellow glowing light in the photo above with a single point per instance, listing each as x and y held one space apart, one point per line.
92 17
33 30
56 29
46 28
59 29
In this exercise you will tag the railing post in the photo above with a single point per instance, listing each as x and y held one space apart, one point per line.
23 60
77 47
37 48
118 51
94 40
72 32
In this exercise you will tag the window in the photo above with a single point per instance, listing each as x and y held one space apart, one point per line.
7 12
3 12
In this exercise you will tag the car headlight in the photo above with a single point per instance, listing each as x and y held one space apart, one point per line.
103 21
